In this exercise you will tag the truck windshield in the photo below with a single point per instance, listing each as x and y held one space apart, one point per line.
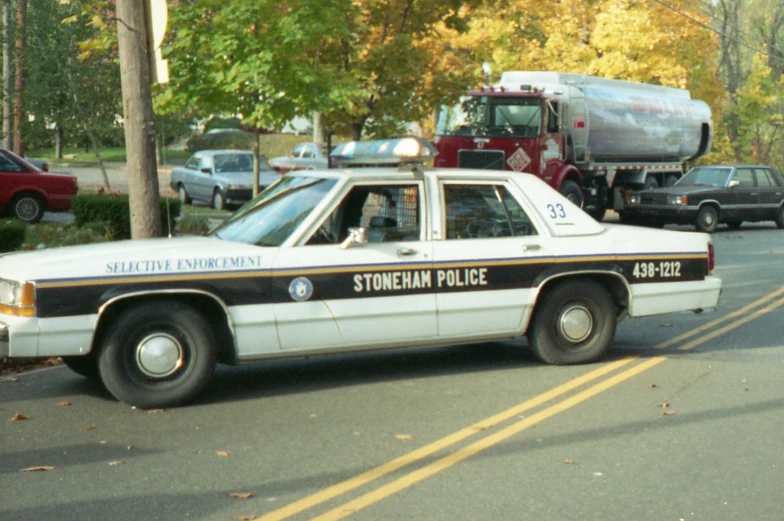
513 116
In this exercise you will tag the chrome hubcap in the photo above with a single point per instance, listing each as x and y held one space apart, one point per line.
159 355
27 208
576 323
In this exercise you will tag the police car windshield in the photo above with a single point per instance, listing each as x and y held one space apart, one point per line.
271 217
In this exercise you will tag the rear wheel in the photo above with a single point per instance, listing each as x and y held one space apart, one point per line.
28 207
734 224
707 219
780 218
158 354
574 323
572 191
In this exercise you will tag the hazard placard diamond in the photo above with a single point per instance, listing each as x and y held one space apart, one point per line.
519 160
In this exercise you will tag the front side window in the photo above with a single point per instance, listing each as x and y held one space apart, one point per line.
194 163
744 177
483 211
273 216
389 213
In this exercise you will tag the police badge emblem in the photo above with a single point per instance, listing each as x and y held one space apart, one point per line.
300 289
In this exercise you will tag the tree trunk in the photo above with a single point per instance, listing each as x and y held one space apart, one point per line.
8 80
58 142
143 189
19 77
319 134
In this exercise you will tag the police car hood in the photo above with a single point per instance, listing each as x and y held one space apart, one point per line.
130 258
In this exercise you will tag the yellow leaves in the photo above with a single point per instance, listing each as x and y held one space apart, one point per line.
43 468
404 437
241 495
19 417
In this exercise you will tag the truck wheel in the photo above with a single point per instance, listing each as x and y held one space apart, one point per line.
574 323
572 191
596 213
86 365
28 207
707 219
734 225
158 354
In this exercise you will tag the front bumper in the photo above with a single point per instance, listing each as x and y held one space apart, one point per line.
664 214
239 195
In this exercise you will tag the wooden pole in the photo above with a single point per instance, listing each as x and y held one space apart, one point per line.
143 189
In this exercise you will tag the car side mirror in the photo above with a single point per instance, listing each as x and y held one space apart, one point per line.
734 183
206 170
356 236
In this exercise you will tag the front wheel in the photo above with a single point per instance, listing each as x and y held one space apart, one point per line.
158 354
780 218
572 191
182 193
574 323
707 219
218 202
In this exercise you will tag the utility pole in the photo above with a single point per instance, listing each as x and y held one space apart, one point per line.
19 77
143 189
8 79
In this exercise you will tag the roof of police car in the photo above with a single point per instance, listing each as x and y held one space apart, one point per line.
412 172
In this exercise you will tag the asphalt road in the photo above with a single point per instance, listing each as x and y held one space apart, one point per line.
683 422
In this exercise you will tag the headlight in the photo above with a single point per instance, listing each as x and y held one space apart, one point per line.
634 199
17 298
677 199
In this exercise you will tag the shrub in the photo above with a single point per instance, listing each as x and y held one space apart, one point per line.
12 235
193 224
114 212
86 235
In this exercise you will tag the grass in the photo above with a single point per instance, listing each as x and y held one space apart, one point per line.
272 145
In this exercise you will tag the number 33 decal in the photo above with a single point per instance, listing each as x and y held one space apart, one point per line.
556 211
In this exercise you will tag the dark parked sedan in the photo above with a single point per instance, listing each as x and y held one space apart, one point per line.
709 195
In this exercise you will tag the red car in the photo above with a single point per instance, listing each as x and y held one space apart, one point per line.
27 192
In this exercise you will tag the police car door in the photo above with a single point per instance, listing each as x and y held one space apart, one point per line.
488 256
377 293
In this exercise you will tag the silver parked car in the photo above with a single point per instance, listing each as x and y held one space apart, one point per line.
221 178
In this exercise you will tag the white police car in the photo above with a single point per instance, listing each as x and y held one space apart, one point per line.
349 259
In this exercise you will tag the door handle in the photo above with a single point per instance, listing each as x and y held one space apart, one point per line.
406 251
531 247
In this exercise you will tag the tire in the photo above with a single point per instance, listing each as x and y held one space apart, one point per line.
707 219
182 194
572 191
180 361
217 200
734 225
780 218
29 208
86 365
650 183
573 323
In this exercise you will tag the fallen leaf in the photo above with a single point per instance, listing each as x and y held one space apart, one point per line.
241 495
38 469
652 386
569 461
479 428
664 405
90 428
668 413
19 417
404 436
116 463
666 324
64 404
223 453
246 518
156 411
745 380
10 379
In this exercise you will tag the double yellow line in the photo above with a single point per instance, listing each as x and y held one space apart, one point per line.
472 449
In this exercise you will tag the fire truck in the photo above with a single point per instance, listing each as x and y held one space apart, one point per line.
593 139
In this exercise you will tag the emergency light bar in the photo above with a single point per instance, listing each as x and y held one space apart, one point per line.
383 152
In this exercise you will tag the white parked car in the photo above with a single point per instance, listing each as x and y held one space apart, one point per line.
328 261
304 156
